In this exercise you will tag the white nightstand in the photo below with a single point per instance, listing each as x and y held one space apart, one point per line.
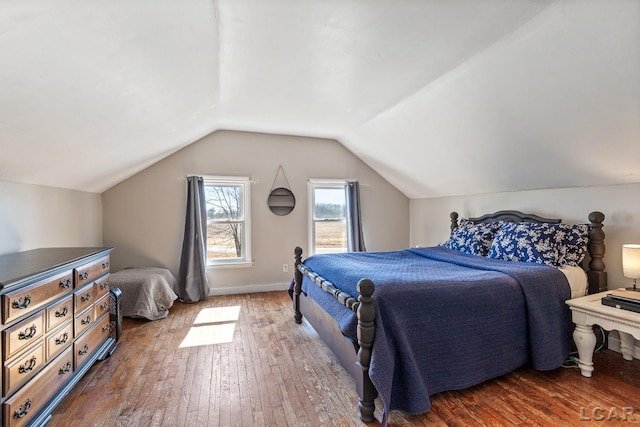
588 311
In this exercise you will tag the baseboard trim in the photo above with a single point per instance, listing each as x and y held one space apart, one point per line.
614 344
249 289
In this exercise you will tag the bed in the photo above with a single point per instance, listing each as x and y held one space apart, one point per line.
147 292
408 324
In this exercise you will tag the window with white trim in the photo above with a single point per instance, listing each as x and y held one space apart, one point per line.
228 221
327 217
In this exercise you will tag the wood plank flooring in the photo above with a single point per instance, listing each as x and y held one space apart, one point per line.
264 370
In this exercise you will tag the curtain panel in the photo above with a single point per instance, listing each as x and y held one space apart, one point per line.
193 285
355 237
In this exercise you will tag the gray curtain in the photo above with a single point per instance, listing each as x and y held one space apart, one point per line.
355 238
193 285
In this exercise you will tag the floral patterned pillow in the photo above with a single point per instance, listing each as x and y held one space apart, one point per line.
574 241
552 244
471 238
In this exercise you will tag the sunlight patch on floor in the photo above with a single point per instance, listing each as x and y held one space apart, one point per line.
218 315
214 325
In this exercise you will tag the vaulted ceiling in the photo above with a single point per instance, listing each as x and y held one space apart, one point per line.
440 97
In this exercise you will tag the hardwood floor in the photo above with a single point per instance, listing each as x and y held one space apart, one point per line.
263 370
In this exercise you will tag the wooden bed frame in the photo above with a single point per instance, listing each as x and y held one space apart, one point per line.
356 356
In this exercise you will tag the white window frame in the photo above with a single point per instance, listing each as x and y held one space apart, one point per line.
312 185
245 184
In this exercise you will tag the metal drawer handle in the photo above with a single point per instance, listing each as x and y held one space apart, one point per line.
84 350
104 306
86 320
63 339
22 303
65 369
63 312
105 264
84 275
28 333
106 328
23 410
104 285
85 298
65 283
23 369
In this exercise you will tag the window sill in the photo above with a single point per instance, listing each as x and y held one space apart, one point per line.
223 265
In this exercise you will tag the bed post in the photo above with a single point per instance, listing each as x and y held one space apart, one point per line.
366 333
297 285
454 220
596 275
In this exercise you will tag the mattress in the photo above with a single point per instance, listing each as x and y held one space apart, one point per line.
577 279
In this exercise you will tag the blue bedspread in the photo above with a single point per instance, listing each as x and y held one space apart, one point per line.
446 320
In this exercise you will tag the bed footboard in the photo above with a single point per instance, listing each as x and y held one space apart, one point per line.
365 312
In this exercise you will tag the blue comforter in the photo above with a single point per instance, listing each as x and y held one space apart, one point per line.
446 320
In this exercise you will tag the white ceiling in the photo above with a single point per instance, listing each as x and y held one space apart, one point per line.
440 97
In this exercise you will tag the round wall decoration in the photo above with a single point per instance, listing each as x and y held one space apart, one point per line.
281 200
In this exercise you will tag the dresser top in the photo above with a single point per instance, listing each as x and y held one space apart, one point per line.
17 267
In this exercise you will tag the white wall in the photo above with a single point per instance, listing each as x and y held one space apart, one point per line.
620 204
35 216
143 217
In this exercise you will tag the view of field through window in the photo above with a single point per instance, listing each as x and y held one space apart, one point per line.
225 220
224 241
331 237
329 218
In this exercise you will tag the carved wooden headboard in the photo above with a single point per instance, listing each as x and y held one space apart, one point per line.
596 274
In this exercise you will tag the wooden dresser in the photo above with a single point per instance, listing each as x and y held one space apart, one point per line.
55 307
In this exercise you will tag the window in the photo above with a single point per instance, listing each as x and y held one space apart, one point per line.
328 217
228 221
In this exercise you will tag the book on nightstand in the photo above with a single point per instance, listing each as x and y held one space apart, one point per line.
620 298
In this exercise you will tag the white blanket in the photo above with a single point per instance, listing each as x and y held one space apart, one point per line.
147 292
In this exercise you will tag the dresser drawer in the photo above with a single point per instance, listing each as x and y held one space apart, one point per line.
89 342
59 339
84 320
103 305
91 271
22 368
83 298
28 299
22 335
101 286
59 312
19 409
